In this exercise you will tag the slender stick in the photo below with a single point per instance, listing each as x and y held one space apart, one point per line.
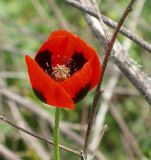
86 8
101 21
56 135
2 118
105 62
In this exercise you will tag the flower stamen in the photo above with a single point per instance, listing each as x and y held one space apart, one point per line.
60 72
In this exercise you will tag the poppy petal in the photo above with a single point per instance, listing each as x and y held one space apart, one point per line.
60 49
90 53
75 43
79 83
67 42
59 33
45 88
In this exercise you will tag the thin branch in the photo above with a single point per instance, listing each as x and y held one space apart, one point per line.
27 104
129 153
101 114
135 19
127 65
104 129
87 8
39 137
133 144
30 141
101 21
109 91
126 91
105 62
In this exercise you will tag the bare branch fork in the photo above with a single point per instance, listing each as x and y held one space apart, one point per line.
105 62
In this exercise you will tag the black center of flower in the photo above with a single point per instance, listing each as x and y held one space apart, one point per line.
60 72
77 62
44 61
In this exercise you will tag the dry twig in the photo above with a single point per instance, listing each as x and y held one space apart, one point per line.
109 90
101 21
87 8
45 116
40 113
30 141
105 61
133 144
2 118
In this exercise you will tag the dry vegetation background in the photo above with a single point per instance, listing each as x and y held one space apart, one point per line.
24 25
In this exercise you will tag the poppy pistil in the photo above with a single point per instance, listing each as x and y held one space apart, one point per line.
60 72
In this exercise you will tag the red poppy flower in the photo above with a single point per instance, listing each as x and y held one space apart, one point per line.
64 69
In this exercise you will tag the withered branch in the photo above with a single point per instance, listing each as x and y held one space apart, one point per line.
86 7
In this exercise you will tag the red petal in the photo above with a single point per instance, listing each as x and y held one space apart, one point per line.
91 55
60 33
62 40
60 43
91 72
61 49
79 81
65 44
51 91
76 44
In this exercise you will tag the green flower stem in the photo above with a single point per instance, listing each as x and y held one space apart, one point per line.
56 134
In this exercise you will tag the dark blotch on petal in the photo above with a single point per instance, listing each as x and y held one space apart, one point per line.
44 60
77 62
39 95
82 93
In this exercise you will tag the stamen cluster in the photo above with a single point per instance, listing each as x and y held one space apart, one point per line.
60 72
